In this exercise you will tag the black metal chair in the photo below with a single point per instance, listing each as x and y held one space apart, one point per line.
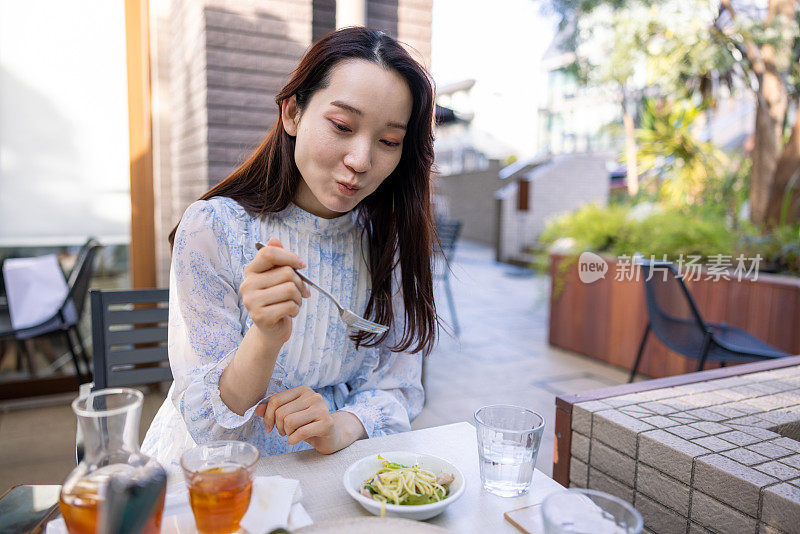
68 315
129 336
447 232
676 321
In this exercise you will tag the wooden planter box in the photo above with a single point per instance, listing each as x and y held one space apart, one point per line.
606 318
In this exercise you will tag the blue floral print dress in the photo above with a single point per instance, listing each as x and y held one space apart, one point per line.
214 242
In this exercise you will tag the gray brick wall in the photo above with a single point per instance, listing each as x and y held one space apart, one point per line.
220 63
414 27
688 462
573 180
382 15
249 58
324 18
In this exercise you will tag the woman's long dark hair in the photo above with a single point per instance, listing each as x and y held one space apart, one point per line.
397 218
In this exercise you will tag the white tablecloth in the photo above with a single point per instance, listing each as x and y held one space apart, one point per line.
324 496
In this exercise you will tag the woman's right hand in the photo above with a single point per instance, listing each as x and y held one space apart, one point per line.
272 292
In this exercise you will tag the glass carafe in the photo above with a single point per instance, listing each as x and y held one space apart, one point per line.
109 422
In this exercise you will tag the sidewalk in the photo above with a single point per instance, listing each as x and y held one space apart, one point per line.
501 356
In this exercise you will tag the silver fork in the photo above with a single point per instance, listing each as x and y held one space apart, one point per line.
350 318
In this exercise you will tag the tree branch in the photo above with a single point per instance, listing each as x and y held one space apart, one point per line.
751 51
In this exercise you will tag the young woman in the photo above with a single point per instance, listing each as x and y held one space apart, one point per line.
339 189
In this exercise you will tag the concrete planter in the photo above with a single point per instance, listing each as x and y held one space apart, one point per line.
605 319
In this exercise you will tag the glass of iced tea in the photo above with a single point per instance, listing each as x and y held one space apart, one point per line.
219 476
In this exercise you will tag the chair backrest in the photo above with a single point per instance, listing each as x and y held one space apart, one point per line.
674 316
81 274
129 337
447 232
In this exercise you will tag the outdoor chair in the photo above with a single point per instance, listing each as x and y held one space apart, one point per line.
129 339
129 336
676 321
67 317
447 232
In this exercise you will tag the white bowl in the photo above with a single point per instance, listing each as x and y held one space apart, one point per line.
367 467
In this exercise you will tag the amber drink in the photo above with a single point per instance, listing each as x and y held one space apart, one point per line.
80 504
219 478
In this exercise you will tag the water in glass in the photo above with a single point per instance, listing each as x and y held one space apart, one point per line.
508 443
506 467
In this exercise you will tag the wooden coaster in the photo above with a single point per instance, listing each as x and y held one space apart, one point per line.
527 519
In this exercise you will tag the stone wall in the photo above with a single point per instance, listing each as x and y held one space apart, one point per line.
714 456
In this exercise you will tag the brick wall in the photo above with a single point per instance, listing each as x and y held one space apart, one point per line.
323 18
220 63
382 15
713 456
250 54
414 27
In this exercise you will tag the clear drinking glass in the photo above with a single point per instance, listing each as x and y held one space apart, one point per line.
220 480
582 511
109 422
508 442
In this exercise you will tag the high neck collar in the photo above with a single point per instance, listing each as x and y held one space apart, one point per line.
296 217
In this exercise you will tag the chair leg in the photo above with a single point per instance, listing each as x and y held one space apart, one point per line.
74 356
456 329
20 355
639 354
3 350
84 356
704 354
26 354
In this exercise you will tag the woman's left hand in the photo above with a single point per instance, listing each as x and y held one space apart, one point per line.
301 414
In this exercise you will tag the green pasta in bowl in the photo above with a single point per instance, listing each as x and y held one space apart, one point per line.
396 483
404 484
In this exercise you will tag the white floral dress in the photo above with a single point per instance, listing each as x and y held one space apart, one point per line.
207 322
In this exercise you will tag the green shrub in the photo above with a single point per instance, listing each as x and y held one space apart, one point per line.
593 227
621 229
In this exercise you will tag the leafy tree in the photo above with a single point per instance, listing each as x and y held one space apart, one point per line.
685 168
686 48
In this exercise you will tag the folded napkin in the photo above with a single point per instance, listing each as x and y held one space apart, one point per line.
275 503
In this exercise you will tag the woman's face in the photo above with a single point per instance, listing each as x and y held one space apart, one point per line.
349 137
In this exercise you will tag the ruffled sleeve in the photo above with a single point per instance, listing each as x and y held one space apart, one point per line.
205 327
388 397
386 393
